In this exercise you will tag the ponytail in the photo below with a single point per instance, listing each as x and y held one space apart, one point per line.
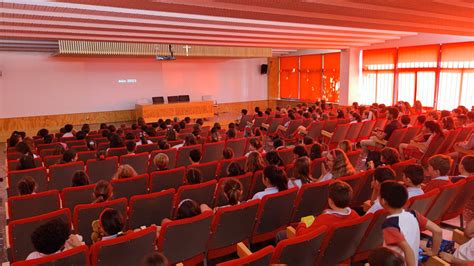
233 190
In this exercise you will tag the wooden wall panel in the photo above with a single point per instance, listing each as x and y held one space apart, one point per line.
236 107
273 78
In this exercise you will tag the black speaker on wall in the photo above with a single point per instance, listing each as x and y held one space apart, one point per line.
264 69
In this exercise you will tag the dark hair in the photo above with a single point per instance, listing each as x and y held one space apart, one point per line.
103 191
383 256
300 151
231 133
394 193
23 148
421 119
468 163
111 221
80 135
193 176
390 156
384 173
195 155
316 151
234 169
340 193
273 158
155 259
26 162
51 236
302 170
68 156
190 140
278 143
307 140
374 156
80 178
233 190
441 162
116 141
244 111
187 208
393 112
228 153
86 128
448 123
14 140
415 173
276 176
26 186
131 145
357 117
43 132
256 143
434 127
405 119
163 144
68 128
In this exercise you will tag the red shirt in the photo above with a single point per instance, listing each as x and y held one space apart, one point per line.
433 184
328 218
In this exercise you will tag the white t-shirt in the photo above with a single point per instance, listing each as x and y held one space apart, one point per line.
465 251
294 183
375 207
68 135
414 191
36 255
326 177
267 191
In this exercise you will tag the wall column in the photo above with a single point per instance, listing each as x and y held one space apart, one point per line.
349 81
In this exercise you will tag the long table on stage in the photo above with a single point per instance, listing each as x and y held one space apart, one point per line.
153 112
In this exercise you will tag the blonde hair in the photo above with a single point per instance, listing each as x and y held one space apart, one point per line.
342 166
161 161
254 162
125 171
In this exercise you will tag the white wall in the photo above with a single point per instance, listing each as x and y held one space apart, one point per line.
40 84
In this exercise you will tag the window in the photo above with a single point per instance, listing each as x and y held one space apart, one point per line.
425 87
310 77
331 76
406 87
384 88
448 94
367 95
467 90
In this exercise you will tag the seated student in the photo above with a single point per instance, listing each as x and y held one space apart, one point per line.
255 145
228 153
68 129
25 149
345 146
232 189
389 156
385 257
278 144
338 165
53 237
80 178
415 148
299 151
316 151
413 176
438 168
189 140
69 156
103 192
464 255
405 120
381 174
384 134
195 156
401 229
301 173
193 176
131 146
231 133
26 162
307 140
161 162
214 135
340 196
254 162
465 167
26 186
273 158
275 181
109 226
187 208
163 144
234 169
125 171
155 259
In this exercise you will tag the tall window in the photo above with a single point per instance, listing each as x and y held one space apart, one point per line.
379 68
310 77
289 74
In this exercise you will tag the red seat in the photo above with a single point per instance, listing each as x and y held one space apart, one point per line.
286 156
354 157
373 237
354 131
202 193
365 190
220 198
182 158
356 181
149 209
400 167
316 167
38 174
330 125
300 250
422 203
51 146
380 123
116 152
80 148
231 225
292 127
60 175
338 135
13 155
20 207
274 123
396 137
257 183
84 156
75 256
237 145
366 130
128 187
125 250
223 164
464 134
85 214
457 207
12 165
446 197
449 142
259 258
432 149
102 169
314 129
161 180
51 160
208 170
244 120
311 200
274 214
147 148
19 232
138 161
411 134
74 142
171 153
72 196
185 240
212 151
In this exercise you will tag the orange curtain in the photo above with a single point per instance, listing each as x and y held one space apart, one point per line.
310 77
331 76
289 77
379 57
457 52
418 56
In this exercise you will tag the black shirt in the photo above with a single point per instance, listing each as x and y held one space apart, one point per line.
390 127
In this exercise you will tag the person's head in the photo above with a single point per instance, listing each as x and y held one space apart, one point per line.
125 171
69 156
345 146
307 140
302 169
448 123
316 151
420 120
195 156
50 237
161 161
383 256
255 144
116 141
43 133
23 148
233 190
80 178
244 111
26 162
389 156
190 140
405 119
254 162
273 176
103 191
155 259
340 195
299 151
273 158
234 169
393 195
187 208
14 140
111 222
26 186
80 135
193 176
131 145
163 144
466 166
68 128
433 127
413 175
278 143
339 164
228 153
355 117
231 133
86 128
432 116
439 165
382 174
392 113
